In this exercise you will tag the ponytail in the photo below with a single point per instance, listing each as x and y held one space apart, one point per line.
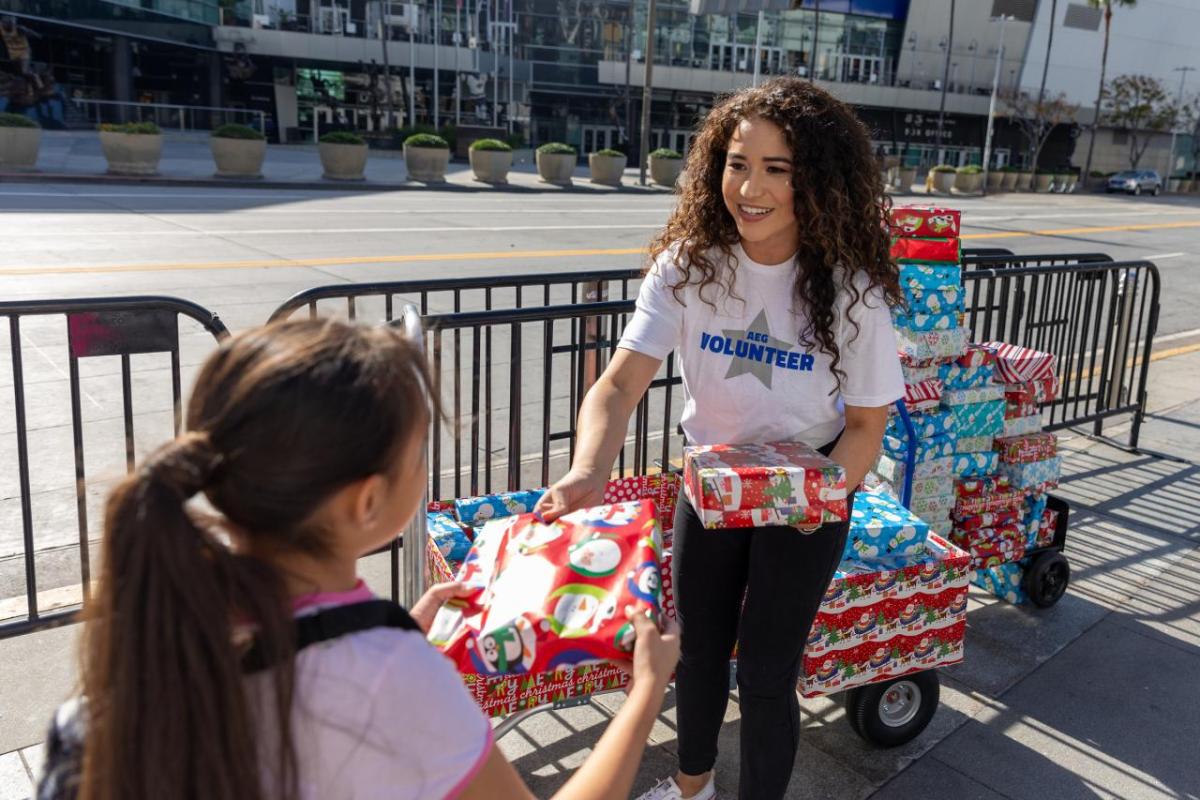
167 711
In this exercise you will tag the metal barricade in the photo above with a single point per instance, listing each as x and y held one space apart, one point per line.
95 329
1099 318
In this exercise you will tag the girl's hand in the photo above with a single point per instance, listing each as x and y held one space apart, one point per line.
577 489
425 609
654 654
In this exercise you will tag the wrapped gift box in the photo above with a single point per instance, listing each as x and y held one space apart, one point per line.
1033 474
1004 581
1047 527
912 250
1014 409
927 425
976 356
988 519
972 465
934 509
880 526
972 487
1032 511
981 495
914 374
1016 364
925 322
946 300
1043 391
931 346
663 489
925 221
930 277
991 546
955 377
977 419
929 449
885 618
1019 426
752 485
893 468
989 393
475 511
920 397
975 444
1027 447
450 537
553 595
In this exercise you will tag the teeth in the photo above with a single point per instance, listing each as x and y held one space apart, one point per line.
755 210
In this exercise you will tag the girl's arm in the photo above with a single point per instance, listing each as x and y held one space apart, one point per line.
610 770
603 423
859 446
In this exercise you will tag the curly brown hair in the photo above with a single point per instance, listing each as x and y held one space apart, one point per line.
838 191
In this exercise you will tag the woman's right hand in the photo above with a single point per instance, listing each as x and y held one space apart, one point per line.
577 489
655 654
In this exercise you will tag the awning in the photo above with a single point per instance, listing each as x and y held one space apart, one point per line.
739 6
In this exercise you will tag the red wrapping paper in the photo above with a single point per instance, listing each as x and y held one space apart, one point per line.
925 221
663 489
922 394
991 493
1016 364
1027 448
1013 409
553 595
990 547
925 251
988 519
976 356
1041 391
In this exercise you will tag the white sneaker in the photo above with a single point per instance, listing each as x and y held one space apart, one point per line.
668 789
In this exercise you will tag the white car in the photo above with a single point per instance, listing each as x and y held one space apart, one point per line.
1135 182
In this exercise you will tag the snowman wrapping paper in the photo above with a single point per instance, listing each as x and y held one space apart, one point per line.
925 221
880 526
755 485
554 595
476 511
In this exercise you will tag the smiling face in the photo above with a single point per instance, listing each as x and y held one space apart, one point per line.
757 187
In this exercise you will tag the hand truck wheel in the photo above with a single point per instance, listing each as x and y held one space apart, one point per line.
1046 579
895 712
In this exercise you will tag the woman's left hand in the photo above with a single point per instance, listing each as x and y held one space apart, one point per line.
425 609
807 528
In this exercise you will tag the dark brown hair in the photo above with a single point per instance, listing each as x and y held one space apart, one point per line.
838 194
280 419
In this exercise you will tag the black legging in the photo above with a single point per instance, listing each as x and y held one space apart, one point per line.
782 574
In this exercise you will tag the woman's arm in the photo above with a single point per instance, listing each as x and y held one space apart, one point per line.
603 422
859 446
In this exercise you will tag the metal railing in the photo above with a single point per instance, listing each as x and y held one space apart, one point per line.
170 116
95 330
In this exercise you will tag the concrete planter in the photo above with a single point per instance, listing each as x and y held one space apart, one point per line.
1009 183
426 164
343 162
1071 182
968 183
238 158
1024 181
1173 185
995 181
19 147
606 170
665 171
943 182
1187 185
905 178
1042 183
131 153
491 166
556 168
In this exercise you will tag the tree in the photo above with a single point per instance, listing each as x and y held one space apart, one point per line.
1038 118
1140 106
1107 5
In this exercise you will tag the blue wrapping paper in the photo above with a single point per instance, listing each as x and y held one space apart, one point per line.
892 468
478 510
928 449
928 277
1003 581
974 465
979 420
925 322
880 526
1019 426
943 300
926 425
955 377
448 535
979 394
1031 516
1033 474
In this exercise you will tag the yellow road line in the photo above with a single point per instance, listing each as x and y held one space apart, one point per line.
278 263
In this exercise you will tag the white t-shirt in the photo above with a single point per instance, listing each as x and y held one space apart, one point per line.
745 378
381 714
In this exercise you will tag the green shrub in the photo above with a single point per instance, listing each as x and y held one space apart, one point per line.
491 145
1098 174
342 137
970 169
556 149
427 140
233 131
8 120
608 151
515 140
942 168
666 152
140 128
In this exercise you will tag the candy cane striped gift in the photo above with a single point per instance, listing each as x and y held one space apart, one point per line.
1016 364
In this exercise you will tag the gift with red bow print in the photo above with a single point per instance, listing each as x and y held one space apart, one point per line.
548 595
754 485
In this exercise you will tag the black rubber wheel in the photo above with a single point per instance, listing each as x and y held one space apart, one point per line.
893 713
1046 579
844 700
1137 190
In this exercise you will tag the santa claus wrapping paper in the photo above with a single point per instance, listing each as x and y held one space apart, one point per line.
549 595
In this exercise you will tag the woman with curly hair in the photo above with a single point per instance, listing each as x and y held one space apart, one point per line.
772 280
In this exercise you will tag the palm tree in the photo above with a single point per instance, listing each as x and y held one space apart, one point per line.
1107 5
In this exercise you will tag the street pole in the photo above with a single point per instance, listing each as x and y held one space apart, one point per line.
758 35
647 92
512 30
628 75
1183 71
987 142
812 76
437 46
387 73
412 64
458 11
945 79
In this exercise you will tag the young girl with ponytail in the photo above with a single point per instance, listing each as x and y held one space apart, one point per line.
307 439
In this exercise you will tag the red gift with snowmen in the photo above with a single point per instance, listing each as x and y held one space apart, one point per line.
550 595
925 221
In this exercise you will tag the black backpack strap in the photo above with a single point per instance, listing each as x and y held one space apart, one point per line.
335 622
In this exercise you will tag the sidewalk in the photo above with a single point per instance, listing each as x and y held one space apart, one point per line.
1092 698
75 157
